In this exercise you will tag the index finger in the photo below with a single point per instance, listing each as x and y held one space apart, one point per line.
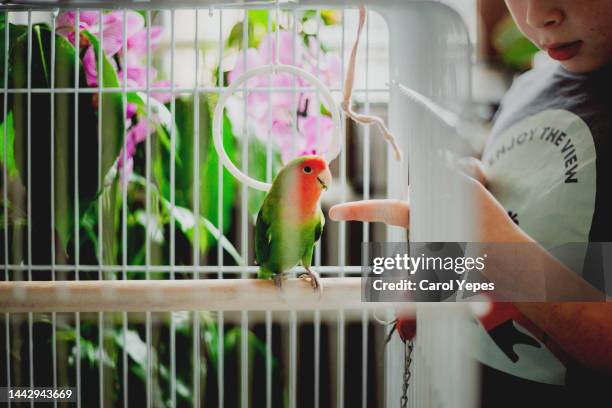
391 212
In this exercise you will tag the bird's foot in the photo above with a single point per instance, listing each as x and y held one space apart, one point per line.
278 281
314 279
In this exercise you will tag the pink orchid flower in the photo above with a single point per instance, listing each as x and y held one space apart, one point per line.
112 27
89 67
163 97
111 31
253 60
66 20
112 35
137 43
274 113
316 134
267 48
326 66
136 76
130 110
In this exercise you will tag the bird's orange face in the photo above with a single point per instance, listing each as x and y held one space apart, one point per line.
313 173
311 176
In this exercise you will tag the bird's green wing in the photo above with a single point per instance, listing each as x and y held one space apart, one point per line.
262 244
318 230
319 226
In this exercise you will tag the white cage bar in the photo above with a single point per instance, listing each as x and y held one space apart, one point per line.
428 50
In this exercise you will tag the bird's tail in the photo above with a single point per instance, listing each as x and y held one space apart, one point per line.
264 273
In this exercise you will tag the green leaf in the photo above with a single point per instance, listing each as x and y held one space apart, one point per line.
235 37
231 338
208 165
230 341
64 139
258 16
88 223
109 76
166 141
182 390
39 77
36 30
112 109
181 321
3 51
89 351
259 346
112 114
151 224
257 169
8 129
184 116
163 119
161 112
15 32
66 335
111 106
161 142
308 14
331 17
136 349
186 221
134 346
40 71
258 26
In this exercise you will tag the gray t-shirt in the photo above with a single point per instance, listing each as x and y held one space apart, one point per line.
546 162
548 152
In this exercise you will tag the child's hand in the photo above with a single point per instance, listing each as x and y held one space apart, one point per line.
493 223
391 212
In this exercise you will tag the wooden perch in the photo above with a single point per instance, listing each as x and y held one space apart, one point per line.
168 295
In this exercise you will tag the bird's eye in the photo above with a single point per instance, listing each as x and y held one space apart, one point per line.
307 170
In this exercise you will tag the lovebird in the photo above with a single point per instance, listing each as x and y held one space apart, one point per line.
290 221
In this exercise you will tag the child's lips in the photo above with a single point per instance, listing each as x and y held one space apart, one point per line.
563 51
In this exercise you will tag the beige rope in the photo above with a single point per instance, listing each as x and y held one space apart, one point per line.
347 94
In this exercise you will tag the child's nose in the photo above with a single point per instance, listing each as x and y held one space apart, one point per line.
541 14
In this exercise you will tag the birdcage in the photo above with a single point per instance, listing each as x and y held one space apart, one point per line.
127 247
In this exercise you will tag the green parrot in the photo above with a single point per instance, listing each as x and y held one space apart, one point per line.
290 221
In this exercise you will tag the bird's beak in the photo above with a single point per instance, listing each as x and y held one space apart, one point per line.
325 178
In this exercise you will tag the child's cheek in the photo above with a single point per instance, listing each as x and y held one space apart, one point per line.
599 52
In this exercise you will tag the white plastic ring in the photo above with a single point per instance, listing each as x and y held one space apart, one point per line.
334 148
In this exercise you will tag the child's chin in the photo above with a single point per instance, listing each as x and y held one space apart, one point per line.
582 65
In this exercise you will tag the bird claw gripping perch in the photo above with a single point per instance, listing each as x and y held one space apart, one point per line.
278 281
314 280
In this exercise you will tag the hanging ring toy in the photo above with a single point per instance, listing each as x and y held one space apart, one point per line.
274 68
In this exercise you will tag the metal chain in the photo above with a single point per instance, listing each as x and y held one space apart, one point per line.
408 347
